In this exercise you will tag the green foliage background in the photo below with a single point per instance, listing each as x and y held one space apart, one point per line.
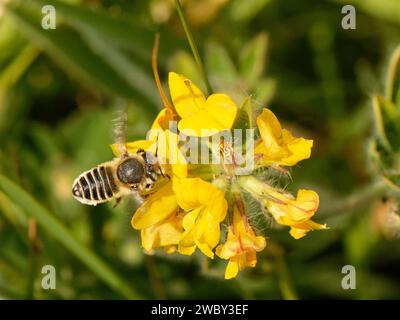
59 90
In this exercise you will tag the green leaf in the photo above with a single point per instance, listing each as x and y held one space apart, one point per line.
220 65
246 9
360 240
17 67
252 59
11 40
183 63
384 149
379 122
388 10
387 120
59 232
244 118
266 88
119 31
393 79
87 56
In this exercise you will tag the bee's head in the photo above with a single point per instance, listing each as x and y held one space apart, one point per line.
131 171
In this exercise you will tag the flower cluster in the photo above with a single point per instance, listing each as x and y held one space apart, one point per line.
202 206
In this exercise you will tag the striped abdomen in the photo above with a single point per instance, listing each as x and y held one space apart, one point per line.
95 186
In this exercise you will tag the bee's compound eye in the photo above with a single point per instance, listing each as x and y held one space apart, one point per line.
77 190
130 171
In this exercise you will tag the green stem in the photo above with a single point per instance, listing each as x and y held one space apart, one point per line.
254 186
59 232
285 284
193 46
356 200
154 278
10 75
394 69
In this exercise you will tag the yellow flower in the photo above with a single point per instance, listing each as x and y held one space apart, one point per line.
156 208
200 116
158 220
241 246
294 212
166 233
278 146
205 208
286 209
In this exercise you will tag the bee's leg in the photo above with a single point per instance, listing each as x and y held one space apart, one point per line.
141 152
134 187
125 154
118 201
150 172
161 172
148 186
156 153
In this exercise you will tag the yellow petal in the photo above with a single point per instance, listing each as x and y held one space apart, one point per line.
222 109
217 114
156 208
231 270
297 233
251 242
201 230
189 220
278 146
175 157
301 230
186 97
164 234
230 248
205 248
194 192
270 130
163 118
305 205
200 117
186 192
199 124
131 147
169 249
206 208
242 243
207 234
300 148
289 211
187 251
295 213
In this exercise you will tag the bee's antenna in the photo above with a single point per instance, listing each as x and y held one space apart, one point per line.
154 64
120 128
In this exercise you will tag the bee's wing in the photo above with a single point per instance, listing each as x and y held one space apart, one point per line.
120 123
134 199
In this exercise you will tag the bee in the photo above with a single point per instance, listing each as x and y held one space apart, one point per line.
125 175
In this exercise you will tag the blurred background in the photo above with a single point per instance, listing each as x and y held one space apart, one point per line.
60 89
